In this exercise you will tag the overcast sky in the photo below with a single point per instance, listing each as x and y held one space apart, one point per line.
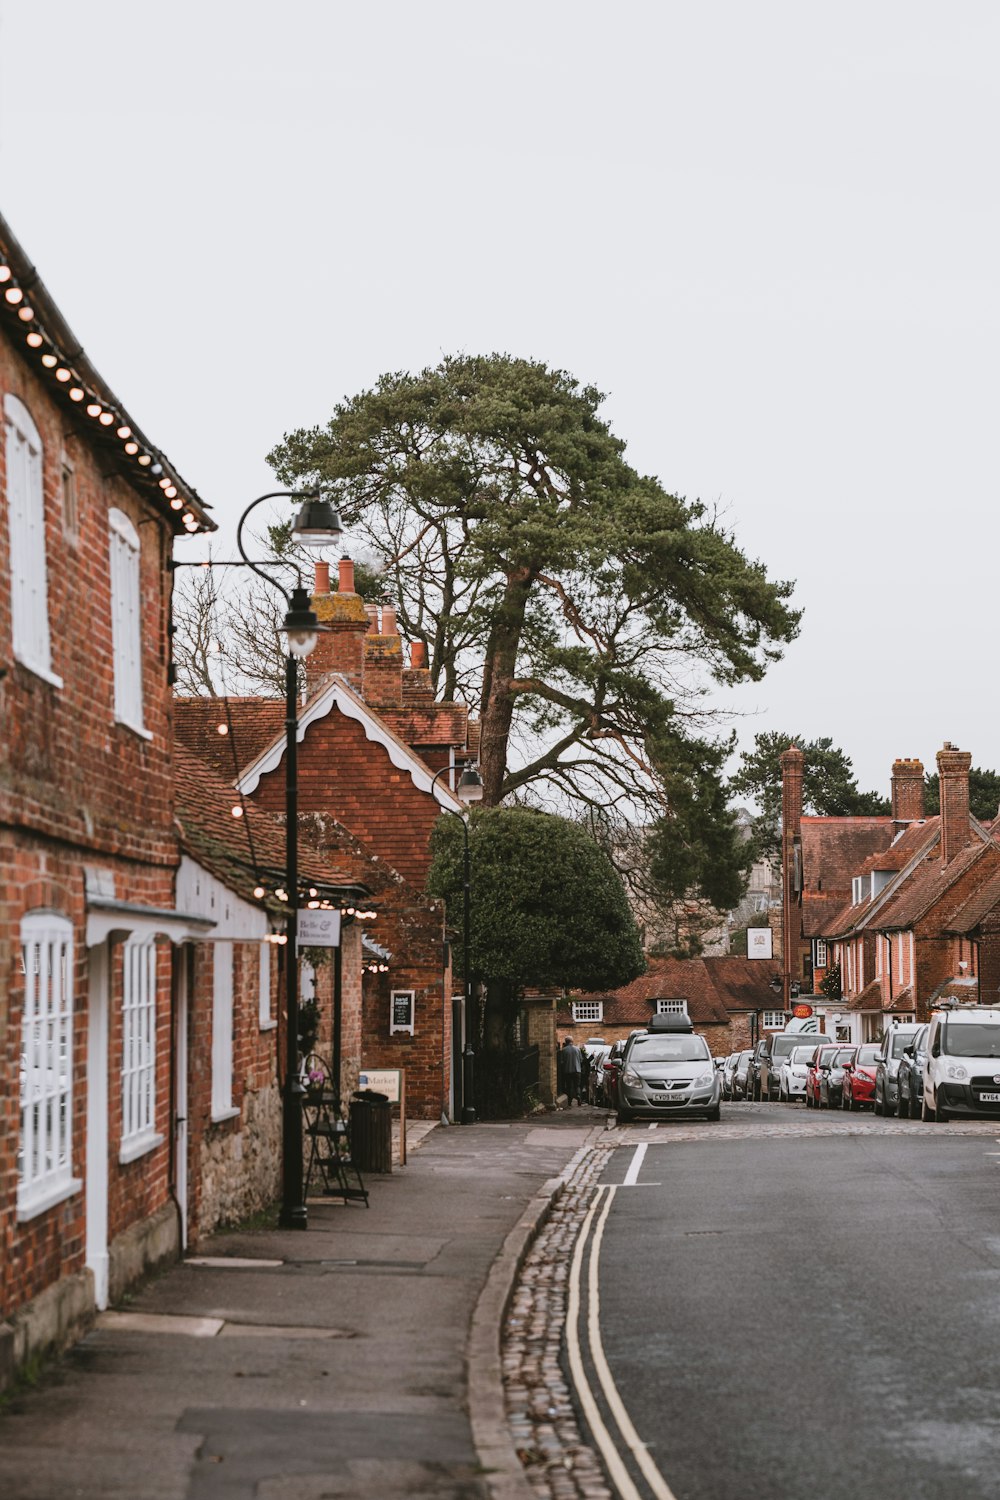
768 231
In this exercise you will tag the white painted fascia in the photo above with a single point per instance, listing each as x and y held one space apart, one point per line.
337 694
204 895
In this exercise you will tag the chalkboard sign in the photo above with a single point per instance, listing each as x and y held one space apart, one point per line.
401 1011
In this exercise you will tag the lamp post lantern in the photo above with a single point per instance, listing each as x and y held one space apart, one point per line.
468 791
317 524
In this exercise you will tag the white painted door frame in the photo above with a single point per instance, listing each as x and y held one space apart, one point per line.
182 962
98 1008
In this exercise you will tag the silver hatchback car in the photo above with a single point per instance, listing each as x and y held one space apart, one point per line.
668 1071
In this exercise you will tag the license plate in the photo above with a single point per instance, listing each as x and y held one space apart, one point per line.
989 1098
666 1098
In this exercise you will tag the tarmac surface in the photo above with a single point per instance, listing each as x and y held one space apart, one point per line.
335 1363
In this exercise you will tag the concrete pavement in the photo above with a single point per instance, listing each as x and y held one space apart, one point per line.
339 1362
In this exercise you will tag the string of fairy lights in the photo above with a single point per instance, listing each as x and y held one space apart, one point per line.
60 368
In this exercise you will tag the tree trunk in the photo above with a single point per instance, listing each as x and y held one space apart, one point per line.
497 708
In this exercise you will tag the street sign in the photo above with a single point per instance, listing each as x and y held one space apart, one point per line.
801 1011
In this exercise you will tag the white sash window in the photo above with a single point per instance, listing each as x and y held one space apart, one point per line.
29 602
138 1047
45 1156
126 621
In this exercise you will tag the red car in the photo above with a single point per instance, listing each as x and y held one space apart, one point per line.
859 1077
820 1059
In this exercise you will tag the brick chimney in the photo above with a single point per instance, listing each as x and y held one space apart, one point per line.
953 771
792 762
417 685
383 681
340 647
907 793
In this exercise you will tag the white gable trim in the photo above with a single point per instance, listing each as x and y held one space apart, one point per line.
338 695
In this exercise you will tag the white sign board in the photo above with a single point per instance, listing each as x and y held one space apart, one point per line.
319 929
387 1081
760 942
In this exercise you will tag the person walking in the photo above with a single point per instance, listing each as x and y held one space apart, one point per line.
572 1062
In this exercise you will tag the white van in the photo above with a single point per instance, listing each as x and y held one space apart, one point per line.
962 1069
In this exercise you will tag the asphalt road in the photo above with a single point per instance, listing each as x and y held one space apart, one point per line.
802 1315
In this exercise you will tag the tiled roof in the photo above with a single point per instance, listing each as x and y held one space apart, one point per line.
930 884
870 997
712 987
428 723
903 1001
255 723
222 843
914 843
966 917
834 851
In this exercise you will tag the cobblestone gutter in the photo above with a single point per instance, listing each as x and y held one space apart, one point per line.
558 1464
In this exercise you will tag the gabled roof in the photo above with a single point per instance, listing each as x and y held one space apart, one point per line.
258 735
48 345
907 852
975 908
929 885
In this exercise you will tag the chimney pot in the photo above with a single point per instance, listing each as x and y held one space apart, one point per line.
345 576
389 626
371 610
322 578
418 654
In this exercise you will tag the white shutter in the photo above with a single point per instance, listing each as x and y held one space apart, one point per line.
126 620
26 522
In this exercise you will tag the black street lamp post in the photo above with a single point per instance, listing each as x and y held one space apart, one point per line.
316 525
469 790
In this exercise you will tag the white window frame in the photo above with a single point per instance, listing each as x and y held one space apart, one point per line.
45 1158
819 953
29 595
126 620
671 1007
265 1019
587 1010
139 1133
222 1032
772 1018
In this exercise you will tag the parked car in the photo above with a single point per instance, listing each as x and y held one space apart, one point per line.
596 1052
890 1055
777 1046
818 1062
831 1078
910 1078
792 1074
753 1071
728 1070
667 1071
740 1074
962 1068
859 1077
609 1075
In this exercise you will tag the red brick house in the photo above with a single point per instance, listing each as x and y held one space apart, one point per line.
89 509
918 916
728 1000
372 740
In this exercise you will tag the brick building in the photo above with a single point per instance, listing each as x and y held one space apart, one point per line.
906 906
89 509
372 742
728 1001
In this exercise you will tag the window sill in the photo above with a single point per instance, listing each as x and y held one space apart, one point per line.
144 734
45 673
219 1117
32 1204
139 1145
268 1025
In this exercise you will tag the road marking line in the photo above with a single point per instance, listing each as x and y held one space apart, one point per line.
654 1125
633 1442
616 1469
635 1165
